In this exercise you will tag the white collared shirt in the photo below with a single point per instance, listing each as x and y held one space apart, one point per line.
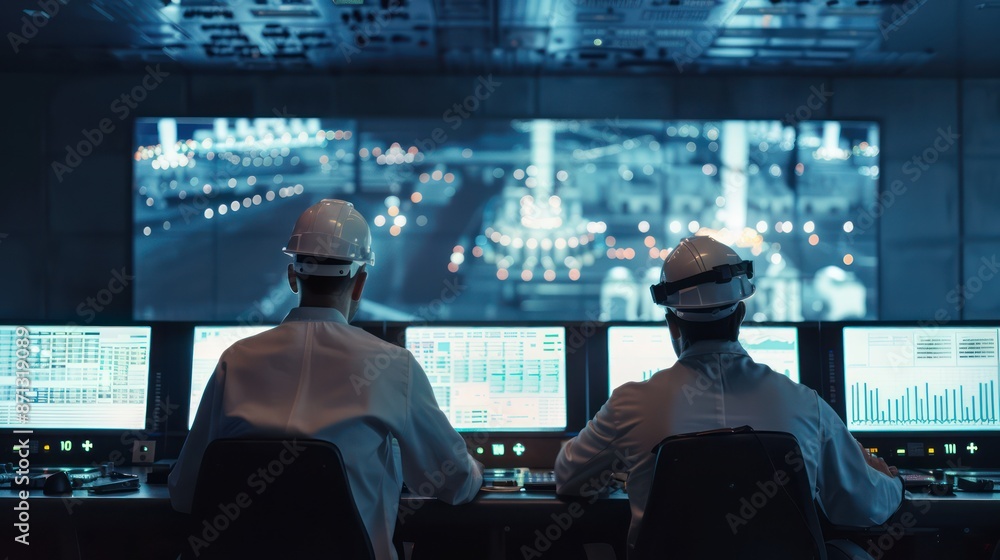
714 385
316 376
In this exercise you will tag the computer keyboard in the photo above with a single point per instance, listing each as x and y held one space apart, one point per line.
915 478
539 481
83 476
77 475
531 480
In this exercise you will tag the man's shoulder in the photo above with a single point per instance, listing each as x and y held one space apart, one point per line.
351 339
373 349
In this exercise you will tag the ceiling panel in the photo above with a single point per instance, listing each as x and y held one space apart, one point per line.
884 37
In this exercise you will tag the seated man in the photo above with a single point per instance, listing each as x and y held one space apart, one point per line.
715 384
316 376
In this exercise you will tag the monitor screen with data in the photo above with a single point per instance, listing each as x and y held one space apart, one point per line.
71 377
209 344
636 353
905 379
496 379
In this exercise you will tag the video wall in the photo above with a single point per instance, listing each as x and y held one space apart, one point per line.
498 219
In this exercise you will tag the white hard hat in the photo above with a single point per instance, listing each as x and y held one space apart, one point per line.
331 229
703 280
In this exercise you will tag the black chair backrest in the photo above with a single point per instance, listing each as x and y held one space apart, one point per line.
734 494
275 498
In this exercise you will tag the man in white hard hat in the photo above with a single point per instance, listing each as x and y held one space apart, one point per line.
316 376
715 385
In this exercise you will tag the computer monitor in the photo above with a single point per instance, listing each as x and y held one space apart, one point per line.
209 344
635 353
913 378
74 377
495 379
542 213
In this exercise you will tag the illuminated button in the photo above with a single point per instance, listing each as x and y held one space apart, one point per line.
518 449
873 450
901 452
480 451
930 450
497 449
86 445
950 449
46 447
972 447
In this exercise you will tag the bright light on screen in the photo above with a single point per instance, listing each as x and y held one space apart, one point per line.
80 377
209 344
505 220
636 353
495 378
905 379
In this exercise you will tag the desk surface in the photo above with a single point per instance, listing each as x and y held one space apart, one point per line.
963 509
142 521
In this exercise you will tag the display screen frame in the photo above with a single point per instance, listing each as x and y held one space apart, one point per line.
908 448
254 306
24 330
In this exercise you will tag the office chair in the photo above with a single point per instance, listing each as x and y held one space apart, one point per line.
256 499
730 494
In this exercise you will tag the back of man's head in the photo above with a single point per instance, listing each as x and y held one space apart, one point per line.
727 328
703 284
331 245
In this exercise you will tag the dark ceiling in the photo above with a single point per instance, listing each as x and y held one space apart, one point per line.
887 37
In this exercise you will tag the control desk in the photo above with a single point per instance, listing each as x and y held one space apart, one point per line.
508 524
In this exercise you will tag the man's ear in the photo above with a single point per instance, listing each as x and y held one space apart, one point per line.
675 331
741 312
359 284
293 281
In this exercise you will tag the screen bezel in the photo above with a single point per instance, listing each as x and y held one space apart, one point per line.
29 325
113 445
887 443
796 125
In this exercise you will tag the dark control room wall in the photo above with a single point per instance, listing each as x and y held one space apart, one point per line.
66 233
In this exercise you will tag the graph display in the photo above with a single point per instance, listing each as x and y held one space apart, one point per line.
778 347
209 344
636 353
72 377
495 378
924 379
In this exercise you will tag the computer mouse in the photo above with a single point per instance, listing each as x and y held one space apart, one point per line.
57 483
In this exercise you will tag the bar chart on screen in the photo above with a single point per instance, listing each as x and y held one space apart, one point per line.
970 404
905 379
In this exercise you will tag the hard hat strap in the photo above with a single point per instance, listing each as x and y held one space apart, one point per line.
719 274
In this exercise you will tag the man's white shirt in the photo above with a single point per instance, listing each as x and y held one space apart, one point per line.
316 376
